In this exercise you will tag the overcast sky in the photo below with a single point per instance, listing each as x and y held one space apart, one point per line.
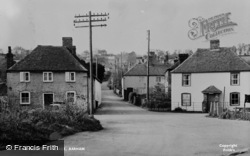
29 23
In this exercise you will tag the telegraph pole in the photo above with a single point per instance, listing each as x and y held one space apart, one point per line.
148 66
89 18
96 74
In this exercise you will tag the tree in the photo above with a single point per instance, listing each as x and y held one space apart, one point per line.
131 59
189 52
1 51
20 52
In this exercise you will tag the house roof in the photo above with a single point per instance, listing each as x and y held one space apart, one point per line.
211 90
49 58
246 58
141 70
175 65
206 60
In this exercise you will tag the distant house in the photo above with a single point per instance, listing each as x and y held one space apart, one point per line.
135 80
209 75
48 74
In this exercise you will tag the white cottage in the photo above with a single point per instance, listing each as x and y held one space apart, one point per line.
135 80
215 74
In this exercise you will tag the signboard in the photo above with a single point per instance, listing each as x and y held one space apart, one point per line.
211 28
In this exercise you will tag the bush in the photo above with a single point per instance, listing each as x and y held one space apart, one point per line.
40 124
178 109
228 114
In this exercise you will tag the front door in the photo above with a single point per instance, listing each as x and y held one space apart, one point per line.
48 99
210 98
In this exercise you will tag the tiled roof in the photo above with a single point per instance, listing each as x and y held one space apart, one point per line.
211 90
141 70
49 58
246 58
205 60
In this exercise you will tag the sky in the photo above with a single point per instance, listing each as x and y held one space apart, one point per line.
28 23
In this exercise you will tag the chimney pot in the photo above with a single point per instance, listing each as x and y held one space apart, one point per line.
9 49
214 44
9 57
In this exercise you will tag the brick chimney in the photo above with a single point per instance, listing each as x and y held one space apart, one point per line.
68 43
183 57
9 57
214 44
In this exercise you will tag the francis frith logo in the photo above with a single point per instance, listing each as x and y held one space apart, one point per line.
212 27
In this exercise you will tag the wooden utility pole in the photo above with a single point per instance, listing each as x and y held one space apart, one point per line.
89 18
148 66
96 68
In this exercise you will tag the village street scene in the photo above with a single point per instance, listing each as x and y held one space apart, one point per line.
120 77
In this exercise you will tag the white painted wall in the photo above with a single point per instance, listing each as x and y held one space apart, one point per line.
140 82
200 81
98 92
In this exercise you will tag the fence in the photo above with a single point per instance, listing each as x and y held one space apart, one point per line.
198 106
193 106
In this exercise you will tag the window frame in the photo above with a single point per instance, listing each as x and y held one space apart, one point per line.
231 98
183 100
47 73
23 76
68 77
74 95
188 80
24 103
232 79
158 79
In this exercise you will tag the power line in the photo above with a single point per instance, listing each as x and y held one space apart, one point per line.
89 18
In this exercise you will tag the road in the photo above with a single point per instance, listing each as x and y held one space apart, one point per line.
133 131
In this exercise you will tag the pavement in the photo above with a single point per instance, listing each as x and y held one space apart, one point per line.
132 131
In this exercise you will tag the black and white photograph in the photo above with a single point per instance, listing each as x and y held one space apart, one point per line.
124 78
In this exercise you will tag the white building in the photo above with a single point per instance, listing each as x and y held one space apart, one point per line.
135 80
215 74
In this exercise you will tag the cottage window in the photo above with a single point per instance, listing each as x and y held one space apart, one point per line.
186 99
158 79
186 79
70 76
235 79
235 99
71 96
24 76
25 98
47 77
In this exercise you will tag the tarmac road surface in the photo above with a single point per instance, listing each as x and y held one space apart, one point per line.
133 131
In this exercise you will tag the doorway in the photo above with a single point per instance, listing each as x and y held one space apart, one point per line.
48 99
